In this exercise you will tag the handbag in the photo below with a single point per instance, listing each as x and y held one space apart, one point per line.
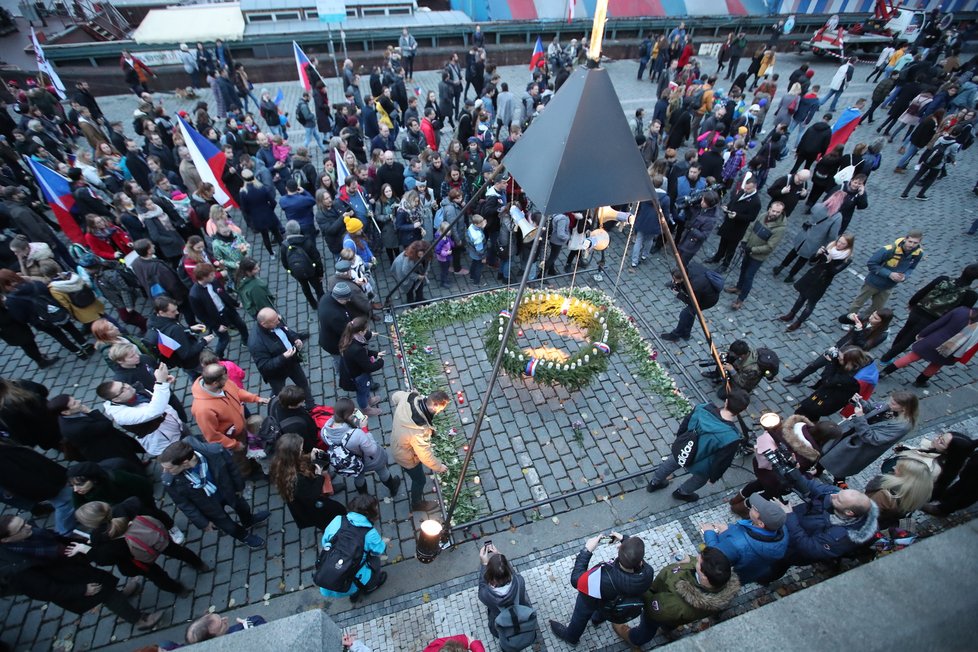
762 231
844 175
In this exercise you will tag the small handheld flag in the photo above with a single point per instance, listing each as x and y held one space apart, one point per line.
166 344
538 55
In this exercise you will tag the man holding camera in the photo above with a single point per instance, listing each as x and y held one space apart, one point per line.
703 218
705 446
608 591
740 365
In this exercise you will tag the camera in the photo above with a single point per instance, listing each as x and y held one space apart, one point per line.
831 353
684 203
780 458
320 455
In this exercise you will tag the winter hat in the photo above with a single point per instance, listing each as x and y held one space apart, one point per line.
742 131
343 266
497 147
85 471
809 73
353 225
342 290
770 511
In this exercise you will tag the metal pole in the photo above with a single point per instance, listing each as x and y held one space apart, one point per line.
497 365
332 50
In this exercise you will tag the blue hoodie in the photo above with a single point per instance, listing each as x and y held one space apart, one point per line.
750 549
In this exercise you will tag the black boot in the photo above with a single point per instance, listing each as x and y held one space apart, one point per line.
921 381
888 369
393 483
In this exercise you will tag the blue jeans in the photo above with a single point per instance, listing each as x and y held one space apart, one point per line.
792 126
835 94
685 325
445 267
911 151
363 390
313 135
643 246
892 96
748 270
475 270
504 269
645 632
64 510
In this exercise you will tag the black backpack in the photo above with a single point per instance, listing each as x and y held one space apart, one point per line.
82 298
48 312
517 628
300 265
768 362
936 157
622 608
337 566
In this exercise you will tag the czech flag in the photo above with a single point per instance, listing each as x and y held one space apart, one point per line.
208 160
843 127
166 344
57 193
342 172
538 55
590 582
302 65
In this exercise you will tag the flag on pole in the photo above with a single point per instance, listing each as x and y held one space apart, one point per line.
342 172
208 160
57 193
843 127
166 344
45 66
570 11
538 55
302 65
279 96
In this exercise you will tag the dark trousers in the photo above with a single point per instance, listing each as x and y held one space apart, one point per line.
119 605
61 333
726 249
926 177
817 191
266 238
417 477
872 109
917 321
551 259
161 578
803 162
308 286
889 122
732 69
408 63
813 366
686 319
792 256
801 313
457 259
645 632
231 319
748 270
297 375
584 608
226 524
31 351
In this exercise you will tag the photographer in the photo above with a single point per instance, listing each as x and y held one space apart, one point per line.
742 209
500 586
840 380
688 187
703 218
707 292
705 446
740 365
603 589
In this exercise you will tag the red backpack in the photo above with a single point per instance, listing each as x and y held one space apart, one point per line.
147 538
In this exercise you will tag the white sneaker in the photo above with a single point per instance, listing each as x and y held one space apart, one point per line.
255 454
177 535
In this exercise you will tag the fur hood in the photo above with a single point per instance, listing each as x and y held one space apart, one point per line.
867 529
73 283
792 431
699 598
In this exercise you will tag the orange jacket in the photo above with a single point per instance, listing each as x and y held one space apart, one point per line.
221 418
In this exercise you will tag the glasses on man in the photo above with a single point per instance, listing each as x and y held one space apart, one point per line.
122 390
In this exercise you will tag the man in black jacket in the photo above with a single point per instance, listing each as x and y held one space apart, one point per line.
707 293
813 143
202 480
329 219
789 189
334 315
166 320
628 576
742 209
215 308
86 201
290 409
276 352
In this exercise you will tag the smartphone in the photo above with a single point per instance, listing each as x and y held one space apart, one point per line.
359 416
610 538
486 544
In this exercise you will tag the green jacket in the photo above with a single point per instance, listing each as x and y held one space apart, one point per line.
760 249
676 597
254 294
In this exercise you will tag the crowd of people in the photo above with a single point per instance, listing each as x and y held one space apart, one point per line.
149 271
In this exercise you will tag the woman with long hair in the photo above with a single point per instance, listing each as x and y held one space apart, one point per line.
124 209
195 253
952 338
229 247
252 289
344 433
867 337
385 210
302 481
500 586
107 334
105 239
455 179
955 486
900 492
359 363
872 430
787 105
111 527
827 262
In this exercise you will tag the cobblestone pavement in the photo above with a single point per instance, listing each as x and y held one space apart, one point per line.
537 438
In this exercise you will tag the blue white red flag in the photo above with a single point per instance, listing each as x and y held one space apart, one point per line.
166 344
208 160
538 55
57 193
843 127
301 63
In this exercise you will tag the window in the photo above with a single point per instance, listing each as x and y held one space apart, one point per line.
312 14
399 11
260 18
287 15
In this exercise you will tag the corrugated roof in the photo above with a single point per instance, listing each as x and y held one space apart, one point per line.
194 23
421 18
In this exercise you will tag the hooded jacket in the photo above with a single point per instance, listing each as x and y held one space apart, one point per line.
61 292
497 599
750 549
676 597
816 139
412 431
816 533
362 444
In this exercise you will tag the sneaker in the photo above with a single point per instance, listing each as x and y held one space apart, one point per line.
919 198
44 363
652 486
689 498
254 541
672 337
177 535
149 621
260 518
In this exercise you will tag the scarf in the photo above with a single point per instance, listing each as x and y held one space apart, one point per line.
156 213
960 343
837 254
199 477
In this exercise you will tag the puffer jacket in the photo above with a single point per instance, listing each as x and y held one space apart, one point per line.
750 549
816 533
411 432
614 581
676 597
361 443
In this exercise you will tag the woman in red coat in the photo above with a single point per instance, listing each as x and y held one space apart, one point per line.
106 240
952 338
136 72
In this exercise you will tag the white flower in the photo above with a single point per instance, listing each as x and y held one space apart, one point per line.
587 358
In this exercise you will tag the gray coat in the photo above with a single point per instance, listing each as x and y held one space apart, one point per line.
865 444
362 444
824 229
496 602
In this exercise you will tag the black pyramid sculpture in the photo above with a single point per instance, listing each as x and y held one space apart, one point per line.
580 152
